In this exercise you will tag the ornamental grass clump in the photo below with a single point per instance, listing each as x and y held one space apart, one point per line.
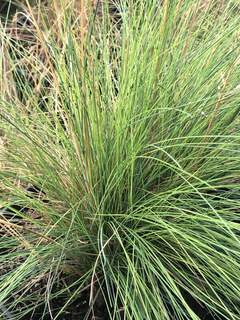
120 174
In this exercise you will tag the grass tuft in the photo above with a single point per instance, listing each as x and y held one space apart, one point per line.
120 172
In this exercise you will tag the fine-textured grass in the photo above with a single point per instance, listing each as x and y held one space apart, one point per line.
130 138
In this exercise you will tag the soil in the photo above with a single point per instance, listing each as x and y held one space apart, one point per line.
79 310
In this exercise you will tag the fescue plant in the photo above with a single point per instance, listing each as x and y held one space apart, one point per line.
120 174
